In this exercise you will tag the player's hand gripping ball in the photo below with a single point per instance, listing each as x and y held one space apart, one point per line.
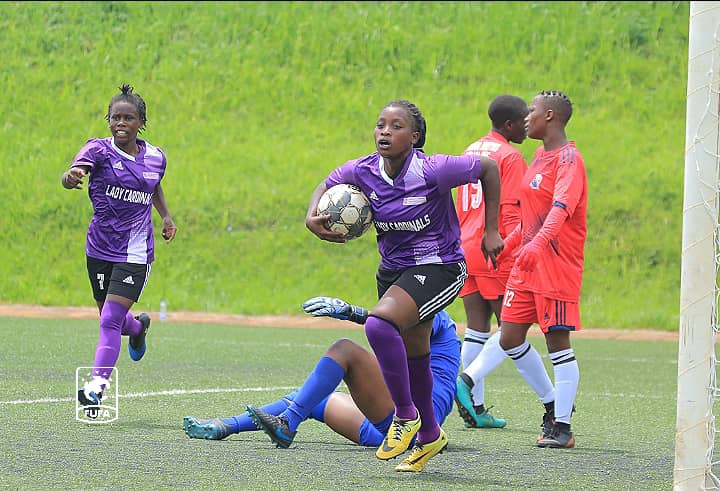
349 210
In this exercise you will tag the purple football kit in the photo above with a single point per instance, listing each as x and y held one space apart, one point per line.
120 189
120 244
418 237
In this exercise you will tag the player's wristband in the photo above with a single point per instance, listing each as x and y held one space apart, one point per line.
358 314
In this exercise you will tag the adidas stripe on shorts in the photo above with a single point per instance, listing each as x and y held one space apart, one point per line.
432 286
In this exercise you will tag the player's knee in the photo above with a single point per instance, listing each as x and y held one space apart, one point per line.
342 350
557 341
511 338
378 330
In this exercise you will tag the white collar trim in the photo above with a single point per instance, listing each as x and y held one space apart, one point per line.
122 152
384 175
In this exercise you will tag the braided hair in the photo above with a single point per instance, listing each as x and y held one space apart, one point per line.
416 116
559 102
127 95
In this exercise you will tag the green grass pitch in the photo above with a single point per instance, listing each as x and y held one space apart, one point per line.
624 423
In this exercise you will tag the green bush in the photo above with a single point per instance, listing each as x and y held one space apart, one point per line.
255 103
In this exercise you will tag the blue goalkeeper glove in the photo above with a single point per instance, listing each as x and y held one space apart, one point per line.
336 308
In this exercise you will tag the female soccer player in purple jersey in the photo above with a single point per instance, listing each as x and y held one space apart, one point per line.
422 265
124 183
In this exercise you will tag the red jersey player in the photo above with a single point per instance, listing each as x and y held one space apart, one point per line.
483 291
544 285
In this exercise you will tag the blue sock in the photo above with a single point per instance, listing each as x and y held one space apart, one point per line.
243 422
372 435
321 382
318 412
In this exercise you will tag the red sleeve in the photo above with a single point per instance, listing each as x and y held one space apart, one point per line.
568 184
512 170
551 227
509 217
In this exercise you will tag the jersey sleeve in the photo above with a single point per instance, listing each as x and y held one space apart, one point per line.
164 158
569 183
453 171
512 170
345 174
88 154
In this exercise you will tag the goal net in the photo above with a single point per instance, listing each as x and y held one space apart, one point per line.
696 462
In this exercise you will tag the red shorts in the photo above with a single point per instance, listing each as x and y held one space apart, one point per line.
525 307
488 287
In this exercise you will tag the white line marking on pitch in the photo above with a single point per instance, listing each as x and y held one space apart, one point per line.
174 392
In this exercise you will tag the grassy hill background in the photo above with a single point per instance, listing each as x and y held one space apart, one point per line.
255 103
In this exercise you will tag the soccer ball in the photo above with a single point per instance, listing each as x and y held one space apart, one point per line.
349 210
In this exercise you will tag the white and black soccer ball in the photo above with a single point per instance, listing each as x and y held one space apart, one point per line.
349 210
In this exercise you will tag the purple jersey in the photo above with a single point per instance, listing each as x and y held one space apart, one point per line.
121 188
414 213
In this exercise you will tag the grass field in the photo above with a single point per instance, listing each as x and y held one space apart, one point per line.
255 102
624 423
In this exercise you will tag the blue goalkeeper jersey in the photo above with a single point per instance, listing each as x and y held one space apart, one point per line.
444 363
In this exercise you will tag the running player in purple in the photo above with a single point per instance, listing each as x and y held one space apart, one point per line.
422 266
123 184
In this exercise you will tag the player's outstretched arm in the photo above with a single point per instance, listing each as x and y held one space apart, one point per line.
336 308
72 179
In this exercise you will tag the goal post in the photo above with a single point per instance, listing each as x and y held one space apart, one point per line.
696 390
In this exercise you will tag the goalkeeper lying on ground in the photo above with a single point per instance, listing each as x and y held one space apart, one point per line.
365 414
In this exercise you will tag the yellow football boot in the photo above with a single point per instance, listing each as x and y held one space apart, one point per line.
422 452
399 436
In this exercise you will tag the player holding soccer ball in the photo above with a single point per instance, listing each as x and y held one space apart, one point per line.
483 291
362 416
124 184
422 266
544 284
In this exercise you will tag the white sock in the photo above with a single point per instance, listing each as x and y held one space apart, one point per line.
567 377
473 344
528 362
487 361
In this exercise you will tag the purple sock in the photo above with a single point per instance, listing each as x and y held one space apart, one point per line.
131 326
389 349
108 345
421 386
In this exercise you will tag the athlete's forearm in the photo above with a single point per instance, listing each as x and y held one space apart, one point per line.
552 224
490 179
314 199
159 202
513 239
509 216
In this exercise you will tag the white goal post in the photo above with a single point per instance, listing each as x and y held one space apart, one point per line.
696 433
